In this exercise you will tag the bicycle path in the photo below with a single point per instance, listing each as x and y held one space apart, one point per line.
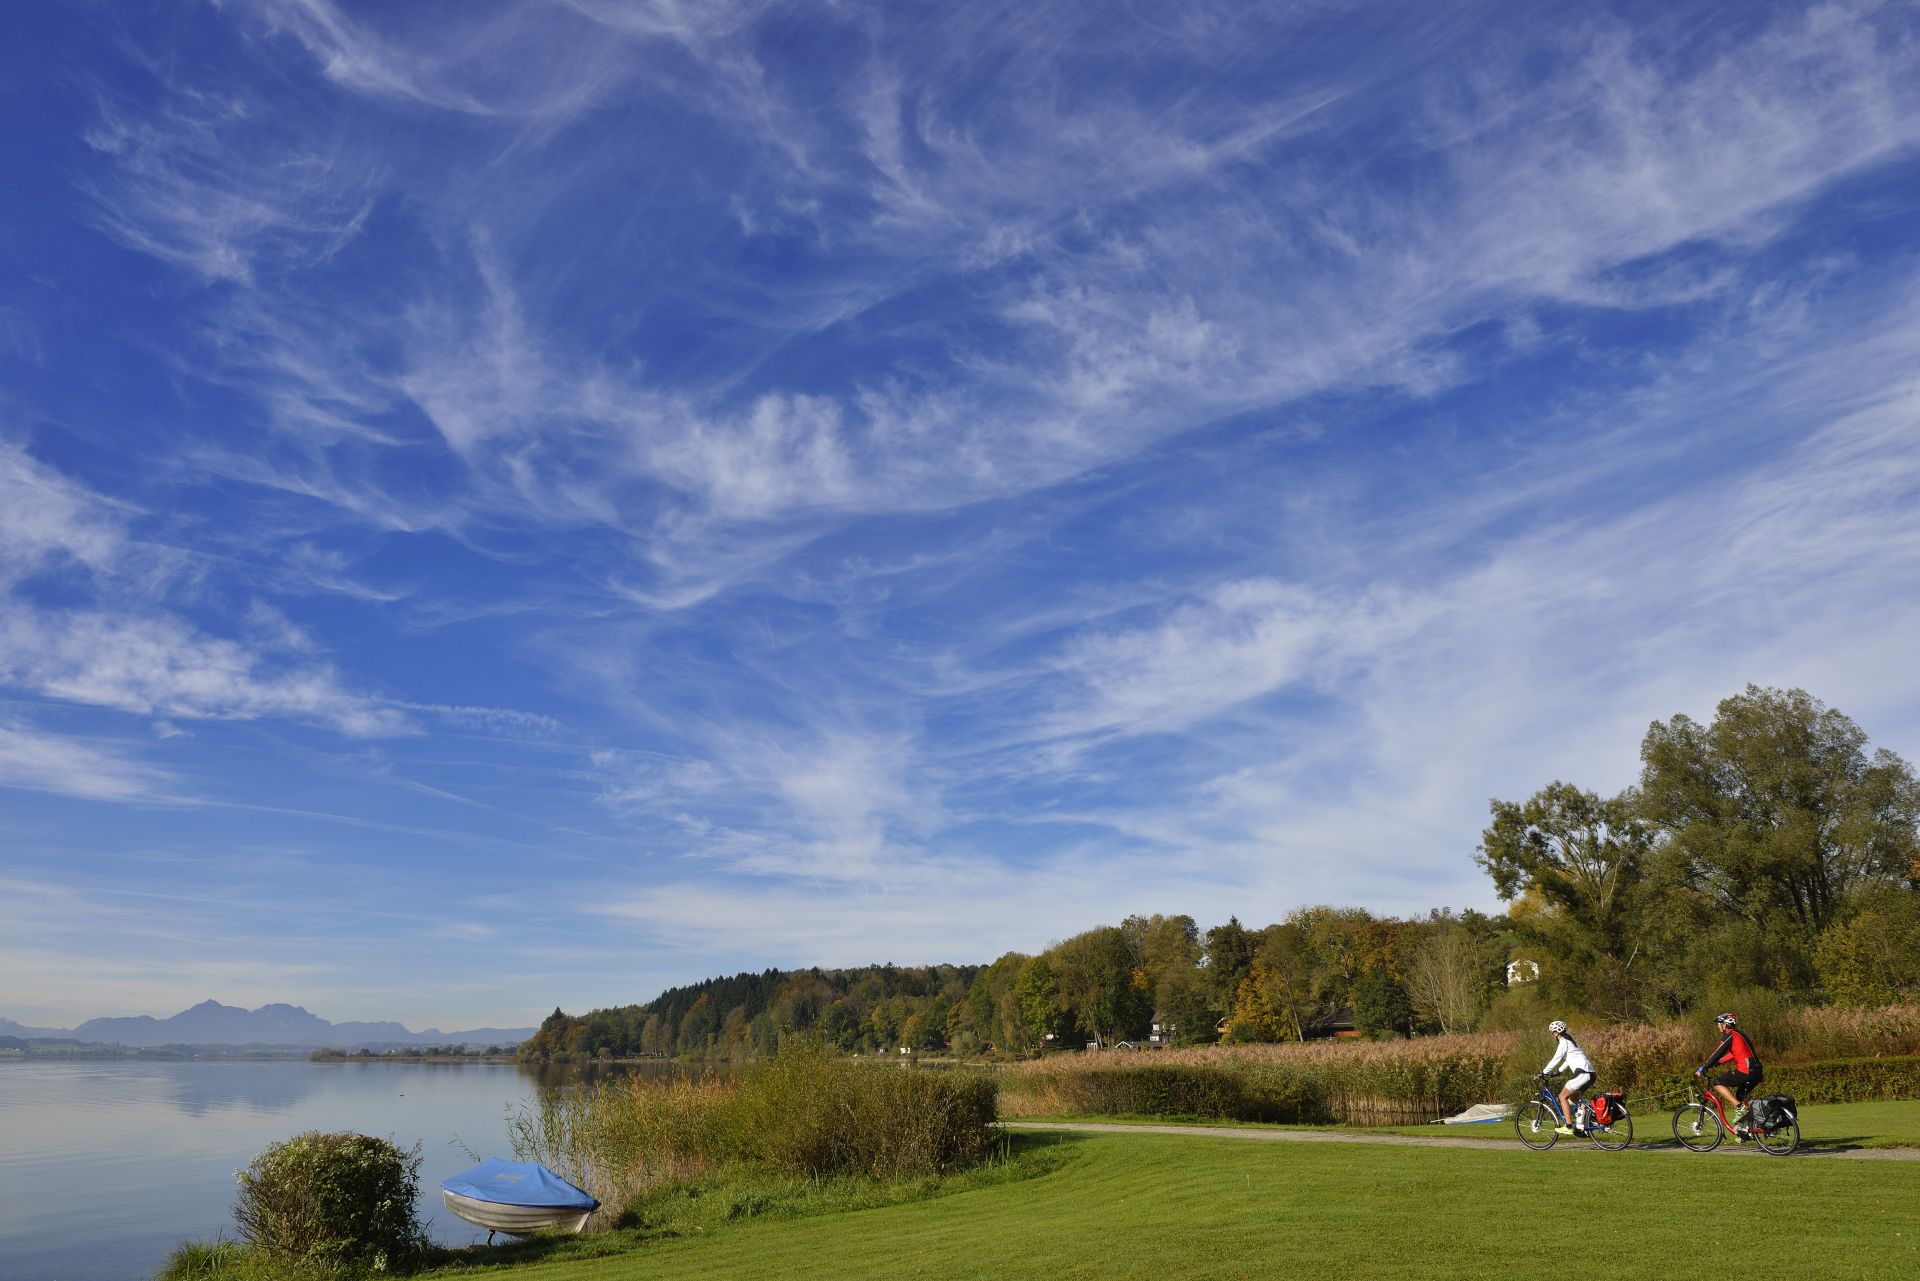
1807 1149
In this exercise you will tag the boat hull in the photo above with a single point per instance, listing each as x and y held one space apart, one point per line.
515 1220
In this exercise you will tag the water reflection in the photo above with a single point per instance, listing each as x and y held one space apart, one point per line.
198 1089
151 1147
557 1075
201 1088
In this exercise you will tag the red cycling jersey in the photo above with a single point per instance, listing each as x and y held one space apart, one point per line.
1738 1048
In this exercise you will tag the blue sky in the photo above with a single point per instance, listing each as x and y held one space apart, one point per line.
524 504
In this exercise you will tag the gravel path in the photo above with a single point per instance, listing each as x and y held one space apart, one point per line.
1408 1140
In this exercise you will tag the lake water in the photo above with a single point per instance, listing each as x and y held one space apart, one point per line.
104 1167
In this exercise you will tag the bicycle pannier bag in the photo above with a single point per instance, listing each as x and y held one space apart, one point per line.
1772 1111
1608 1108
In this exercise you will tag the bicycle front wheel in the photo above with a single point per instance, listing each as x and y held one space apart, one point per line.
1611 1138
1535 1125
1780 1142
1696 1127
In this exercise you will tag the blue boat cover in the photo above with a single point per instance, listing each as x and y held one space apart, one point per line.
517 1183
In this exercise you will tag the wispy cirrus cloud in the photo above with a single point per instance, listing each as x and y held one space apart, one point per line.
35 760
156 665
128 651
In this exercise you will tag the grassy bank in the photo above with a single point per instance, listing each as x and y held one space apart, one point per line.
1145 1205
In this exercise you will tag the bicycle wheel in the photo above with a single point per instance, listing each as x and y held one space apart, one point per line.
1697 1128
1611 1138
1535 1124
1780 1142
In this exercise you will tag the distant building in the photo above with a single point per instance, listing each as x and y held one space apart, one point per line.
1521 970
1341 1025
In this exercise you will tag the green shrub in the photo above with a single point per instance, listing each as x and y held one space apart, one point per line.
1847 1080
329 1200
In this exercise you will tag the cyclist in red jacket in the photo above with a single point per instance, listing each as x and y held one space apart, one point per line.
1733 1086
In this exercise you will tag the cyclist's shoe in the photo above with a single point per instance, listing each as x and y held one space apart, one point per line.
1563 1129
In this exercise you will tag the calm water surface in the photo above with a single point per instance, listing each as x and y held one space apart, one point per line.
105 1166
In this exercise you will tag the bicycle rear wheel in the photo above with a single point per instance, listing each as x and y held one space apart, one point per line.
1780 1142
1535 1124
1697 1128
1611 1138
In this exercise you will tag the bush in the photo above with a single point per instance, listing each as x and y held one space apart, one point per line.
1847 1081
330 1200
808 1113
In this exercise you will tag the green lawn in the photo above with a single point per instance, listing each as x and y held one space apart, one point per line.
1158 1206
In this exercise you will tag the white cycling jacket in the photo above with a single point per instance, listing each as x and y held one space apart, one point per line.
1571 1057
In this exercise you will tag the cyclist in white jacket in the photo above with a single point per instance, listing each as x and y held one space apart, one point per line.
1571 1057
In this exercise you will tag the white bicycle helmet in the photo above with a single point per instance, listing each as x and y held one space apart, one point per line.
1556 1027
1727 1020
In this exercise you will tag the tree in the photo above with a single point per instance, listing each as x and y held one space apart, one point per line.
1286 993
1873 959
1100 985
1261 1008
1448 975
698 1026
1580 858
1036 995
1380 1005
763 1035
1776 813
840 1025
1229 959
996 1014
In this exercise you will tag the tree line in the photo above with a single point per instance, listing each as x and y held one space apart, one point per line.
1765 851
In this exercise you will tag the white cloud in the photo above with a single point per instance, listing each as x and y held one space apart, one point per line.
34 760
157 665
183 193
1245 639
46 518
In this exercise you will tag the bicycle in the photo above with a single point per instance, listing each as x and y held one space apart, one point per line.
1538 1123
1699 1127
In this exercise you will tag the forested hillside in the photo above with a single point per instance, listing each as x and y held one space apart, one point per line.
1764 857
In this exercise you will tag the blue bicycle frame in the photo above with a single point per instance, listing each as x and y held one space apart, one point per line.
1551 1098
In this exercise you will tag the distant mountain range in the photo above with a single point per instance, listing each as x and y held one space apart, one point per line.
211 1023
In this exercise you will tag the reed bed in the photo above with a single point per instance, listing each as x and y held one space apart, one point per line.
803 1113
1408 1082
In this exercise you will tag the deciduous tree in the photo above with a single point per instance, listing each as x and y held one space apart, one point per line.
1776 812
1583 859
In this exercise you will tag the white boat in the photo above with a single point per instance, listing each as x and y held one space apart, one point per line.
517 1198
516 1220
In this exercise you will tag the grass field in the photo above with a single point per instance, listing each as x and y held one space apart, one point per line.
1155 1206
